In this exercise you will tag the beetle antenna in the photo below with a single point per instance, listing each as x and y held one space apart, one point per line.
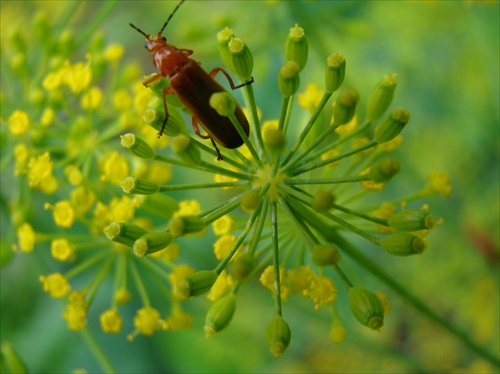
142 32
170 17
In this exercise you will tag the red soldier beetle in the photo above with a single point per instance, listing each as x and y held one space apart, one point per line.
193 86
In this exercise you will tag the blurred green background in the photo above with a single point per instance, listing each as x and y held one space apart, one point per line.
446 55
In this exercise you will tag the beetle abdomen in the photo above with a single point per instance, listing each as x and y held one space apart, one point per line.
194 87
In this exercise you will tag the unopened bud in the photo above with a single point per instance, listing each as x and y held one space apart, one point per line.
289 79
412 220
383 170
124 233
152 242
223 103
381 98
345 107
241 57
403 244
138 186
179 226
366 307
323 200
196 283
296 48
324 254
335 72
137 146
242 266
220 314
186 149
392 125
278 336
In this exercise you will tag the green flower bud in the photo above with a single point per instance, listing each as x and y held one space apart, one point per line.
323 200
223 39
241 59
289 79
366 307
137 146
11 362
223 103
152 242
179 226
160 205
186 149
273 139
383 170
324 254
403 244
219 315
296 47
138 186
155 117
196 283
250 201
124 233
412 220
335 72
345 107
381 98
278 336
66 43
243 266
392 125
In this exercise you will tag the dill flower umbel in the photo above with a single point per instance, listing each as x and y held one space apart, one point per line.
117 206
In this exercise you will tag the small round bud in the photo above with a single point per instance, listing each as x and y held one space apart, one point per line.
324 254
273 139
137 146
392 125
241 59
335 72
345 107
124 233
155 117
250 201
296 47
323 200
243 266
381 98
152 242
366 307
219 315
278 336
403 244
383 170
223 39
196 283
223 103
289 79
186 149
138 186
179 226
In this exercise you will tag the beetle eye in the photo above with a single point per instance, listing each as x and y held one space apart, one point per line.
146 45
164 39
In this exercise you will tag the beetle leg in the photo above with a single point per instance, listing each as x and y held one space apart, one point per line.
214 72
196 128
166 91
152 79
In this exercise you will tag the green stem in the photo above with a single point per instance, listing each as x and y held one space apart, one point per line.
276 258
355 178
249 98
96 349
195 186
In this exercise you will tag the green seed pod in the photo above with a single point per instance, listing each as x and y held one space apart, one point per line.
296 47
223 103
324 254
323 200
137 146
160 205
366 307
412 220
124 233
392 125
345 107
223 39
179 226
243 266
155 117
219 315
138 186
403 244
196 284
289 79
241 59
152 242
186 149
383 170
381 98
335 72
278 336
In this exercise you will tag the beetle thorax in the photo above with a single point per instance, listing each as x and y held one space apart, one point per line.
167 58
